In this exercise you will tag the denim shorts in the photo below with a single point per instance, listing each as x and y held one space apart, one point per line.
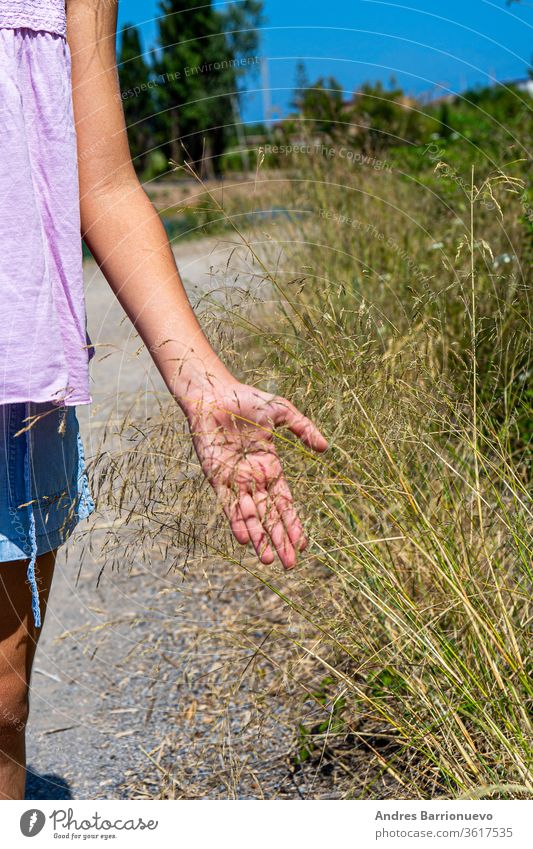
44 489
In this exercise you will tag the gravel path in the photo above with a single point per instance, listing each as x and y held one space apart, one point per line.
136 691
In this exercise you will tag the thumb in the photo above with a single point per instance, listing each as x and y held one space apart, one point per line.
286 414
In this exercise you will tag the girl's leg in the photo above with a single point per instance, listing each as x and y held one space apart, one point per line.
18 641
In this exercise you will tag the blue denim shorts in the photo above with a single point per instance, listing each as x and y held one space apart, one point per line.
44 489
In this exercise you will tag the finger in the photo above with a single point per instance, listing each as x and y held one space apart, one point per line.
282 496
238 525
257 533
302 427
273 523
232 511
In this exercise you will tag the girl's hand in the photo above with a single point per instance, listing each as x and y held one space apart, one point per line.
232 431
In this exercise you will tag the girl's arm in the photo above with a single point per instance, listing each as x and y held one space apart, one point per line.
231 423
119 223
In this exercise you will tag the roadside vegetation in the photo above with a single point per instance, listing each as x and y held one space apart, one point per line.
397 313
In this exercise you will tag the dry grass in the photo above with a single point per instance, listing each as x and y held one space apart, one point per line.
407 625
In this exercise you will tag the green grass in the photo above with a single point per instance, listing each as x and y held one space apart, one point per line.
421 512
400 327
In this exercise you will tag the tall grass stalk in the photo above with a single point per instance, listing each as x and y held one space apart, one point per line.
414 596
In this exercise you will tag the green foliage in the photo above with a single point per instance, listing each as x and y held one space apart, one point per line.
445 122
301 85
488 127
402 325
313 738
322 107
203 57
133 72
193 223
386 117
185 101
385 683
156 165
195 69
241 22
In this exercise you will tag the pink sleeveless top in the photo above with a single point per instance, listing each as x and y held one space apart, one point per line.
45 15
44 348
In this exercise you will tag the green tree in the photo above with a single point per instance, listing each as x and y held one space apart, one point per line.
386 118
202 60
301 84
241 23
322 107
134 75
445 130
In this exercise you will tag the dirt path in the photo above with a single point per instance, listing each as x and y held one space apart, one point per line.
107 716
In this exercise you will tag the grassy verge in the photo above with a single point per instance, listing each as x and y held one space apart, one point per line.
401 323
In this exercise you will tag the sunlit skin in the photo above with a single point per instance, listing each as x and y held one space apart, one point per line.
231 423
233 437
18 641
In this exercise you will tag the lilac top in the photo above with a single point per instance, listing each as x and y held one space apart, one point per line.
44 348
46 15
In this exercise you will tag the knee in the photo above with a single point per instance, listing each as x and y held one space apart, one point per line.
14 706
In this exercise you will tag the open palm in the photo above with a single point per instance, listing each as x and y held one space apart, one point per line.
232 431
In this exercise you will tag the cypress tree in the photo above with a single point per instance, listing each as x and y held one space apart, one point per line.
198 69
134 74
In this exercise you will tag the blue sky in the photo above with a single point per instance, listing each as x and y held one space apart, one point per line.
429 45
